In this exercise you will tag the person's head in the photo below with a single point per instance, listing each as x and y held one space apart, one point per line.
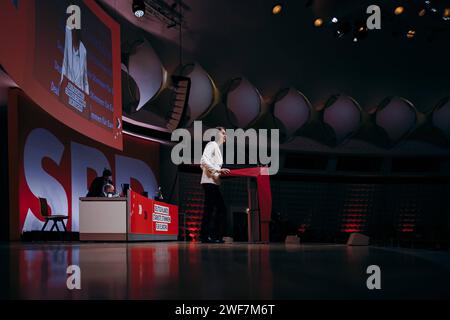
109 188
107 174
221 135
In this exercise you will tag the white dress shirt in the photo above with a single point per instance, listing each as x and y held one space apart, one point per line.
211 163
74 65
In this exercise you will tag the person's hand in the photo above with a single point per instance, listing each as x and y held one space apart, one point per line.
224 172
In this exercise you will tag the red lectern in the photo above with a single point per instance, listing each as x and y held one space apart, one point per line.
259 202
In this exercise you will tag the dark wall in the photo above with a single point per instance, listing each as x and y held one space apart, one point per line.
4 187
168 175
391 211
396 211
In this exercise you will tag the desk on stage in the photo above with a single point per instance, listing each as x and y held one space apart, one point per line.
131 218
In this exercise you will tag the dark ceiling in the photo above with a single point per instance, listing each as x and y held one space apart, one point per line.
243 38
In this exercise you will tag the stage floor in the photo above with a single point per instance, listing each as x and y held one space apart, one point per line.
178 270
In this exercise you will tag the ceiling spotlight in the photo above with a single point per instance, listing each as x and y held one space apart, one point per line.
359 30
318 22
334 20
446 15
399 10
410 34
277 9
138 8
342 29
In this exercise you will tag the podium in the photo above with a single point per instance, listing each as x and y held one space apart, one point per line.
259 202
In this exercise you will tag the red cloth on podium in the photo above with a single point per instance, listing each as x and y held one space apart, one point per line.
264 194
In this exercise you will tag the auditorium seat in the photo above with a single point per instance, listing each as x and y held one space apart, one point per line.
55 218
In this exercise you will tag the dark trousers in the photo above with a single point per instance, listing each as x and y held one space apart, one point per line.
213 223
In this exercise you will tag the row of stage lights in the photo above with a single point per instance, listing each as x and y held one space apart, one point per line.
342 28
427 7
160 9
138 8
360 28
423 11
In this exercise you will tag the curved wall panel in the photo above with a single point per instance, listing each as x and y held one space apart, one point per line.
397 117
441 117
146 69
343 115
201 94
243 103
292 110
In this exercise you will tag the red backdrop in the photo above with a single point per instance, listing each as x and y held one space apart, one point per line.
49 160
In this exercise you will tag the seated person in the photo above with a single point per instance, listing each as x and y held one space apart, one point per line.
97 186
109 191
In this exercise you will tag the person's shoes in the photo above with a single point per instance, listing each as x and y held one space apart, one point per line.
207 240
211 240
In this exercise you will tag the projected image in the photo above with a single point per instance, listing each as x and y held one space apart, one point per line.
74 65
74 60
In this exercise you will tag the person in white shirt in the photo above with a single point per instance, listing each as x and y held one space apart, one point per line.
74 66
211 163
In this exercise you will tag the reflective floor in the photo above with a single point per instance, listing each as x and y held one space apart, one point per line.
178 270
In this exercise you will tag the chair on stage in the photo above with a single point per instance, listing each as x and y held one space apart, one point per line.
55 218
